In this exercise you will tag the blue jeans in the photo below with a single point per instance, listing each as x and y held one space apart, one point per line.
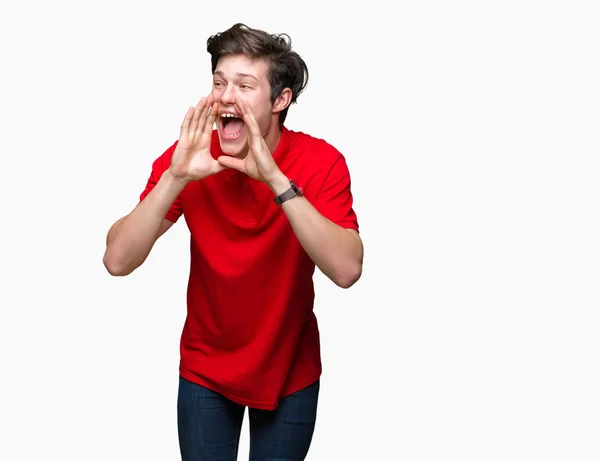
209 425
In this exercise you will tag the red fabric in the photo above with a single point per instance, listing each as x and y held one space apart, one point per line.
250 331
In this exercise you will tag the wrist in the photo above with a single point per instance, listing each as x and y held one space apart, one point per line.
279 184
173 181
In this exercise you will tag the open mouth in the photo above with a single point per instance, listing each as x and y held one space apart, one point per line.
231 126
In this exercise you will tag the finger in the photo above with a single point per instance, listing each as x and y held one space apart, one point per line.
197 111
218 167
248 116
210 120
204 113
185 125
231 162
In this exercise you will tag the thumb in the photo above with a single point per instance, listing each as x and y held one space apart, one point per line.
231 162
218 167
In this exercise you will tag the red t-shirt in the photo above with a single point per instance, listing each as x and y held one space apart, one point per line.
250 333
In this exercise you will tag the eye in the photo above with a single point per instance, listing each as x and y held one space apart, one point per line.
245 87
217 84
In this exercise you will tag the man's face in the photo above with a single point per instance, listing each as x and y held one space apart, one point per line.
240 76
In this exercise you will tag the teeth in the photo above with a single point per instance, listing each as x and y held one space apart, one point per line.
229 116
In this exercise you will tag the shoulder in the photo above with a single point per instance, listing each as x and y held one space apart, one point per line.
314 163
316 151
163 161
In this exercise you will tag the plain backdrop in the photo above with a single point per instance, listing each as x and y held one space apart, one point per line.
471 130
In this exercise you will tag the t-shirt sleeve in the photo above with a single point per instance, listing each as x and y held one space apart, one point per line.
159 166
334 200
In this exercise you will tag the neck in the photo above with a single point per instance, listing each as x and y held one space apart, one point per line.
273 137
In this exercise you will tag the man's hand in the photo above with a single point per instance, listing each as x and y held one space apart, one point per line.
259 163
192 160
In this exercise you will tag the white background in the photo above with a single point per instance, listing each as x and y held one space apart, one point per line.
471 132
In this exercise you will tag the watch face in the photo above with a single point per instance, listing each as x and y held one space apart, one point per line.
296 188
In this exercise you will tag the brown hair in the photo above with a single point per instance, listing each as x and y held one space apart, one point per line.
286 68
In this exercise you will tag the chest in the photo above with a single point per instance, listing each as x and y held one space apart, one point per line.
232 208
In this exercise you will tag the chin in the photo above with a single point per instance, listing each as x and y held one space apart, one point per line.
234 147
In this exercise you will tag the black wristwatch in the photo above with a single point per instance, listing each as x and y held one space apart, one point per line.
288 194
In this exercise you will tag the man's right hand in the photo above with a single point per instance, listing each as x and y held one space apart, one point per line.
191 159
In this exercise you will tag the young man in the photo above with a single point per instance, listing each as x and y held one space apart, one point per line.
264 206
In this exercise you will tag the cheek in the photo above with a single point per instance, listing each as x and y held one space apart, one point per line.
260 108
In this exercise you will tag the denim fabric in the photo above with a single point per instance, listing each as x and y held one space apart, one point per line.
209 425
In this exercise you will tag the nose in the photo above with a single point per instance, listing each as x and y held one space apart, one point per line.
228 95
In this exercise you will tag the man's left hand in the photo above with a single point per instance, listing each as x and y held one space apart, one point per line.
258 163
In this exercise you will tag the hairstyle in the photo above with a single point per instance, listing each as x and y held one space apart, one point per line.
286 69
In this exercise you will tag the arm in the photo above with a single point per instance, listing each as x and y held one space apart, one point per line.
131 238
336 251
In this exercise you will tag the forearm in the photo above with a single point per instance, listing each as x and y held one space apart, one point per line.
336 251
130 240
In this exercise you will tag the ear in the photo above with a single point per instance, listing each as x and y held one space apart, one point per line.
282 101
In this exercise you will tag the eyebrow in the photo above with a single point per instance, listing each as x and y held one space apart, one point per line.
239 74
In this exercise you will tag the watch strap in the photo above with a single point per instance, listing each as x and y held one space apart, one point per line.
288 194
